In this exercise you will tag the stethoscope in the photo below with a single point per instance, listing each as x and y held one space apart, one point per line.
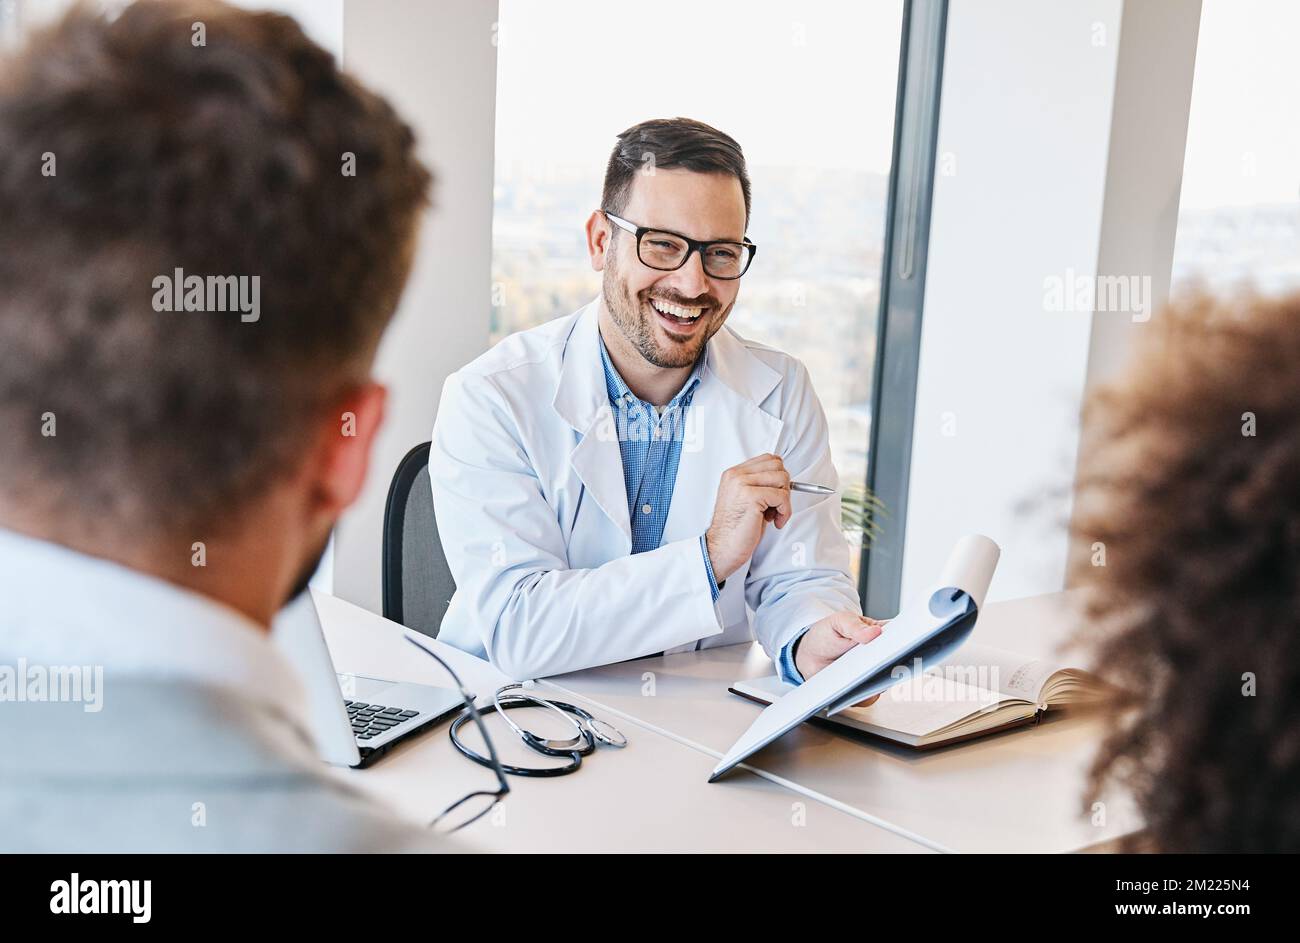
587 732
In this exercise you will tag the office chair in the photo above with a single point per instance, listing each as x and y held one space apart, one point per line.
417 583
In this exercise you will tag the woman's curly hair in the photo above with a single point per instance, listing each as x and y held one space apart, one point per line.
1188 527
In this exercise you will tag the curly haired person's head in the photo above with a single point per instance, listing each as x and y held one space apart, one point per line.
1188 526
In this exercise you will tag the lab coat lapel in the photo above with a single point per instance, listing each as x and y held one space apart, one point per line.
583 401
724 427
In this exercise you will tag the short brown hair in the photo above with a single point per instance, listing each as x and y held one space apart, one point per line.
671 142
227 157
1191 490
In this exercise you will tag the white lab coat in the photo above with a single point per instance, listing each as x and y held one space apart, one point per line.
532 510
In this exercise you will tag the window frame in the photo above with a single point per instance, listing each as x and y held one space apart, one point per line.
902 296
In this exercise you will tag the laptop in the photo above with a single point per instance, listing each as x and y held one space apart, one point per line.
355 719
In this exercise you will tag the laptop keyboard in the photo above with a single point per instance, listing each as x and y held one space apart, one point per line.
370 720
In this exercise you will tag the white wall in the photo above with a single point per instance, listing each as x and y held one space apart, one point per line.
436 62
1148 139
1153 97
1020 197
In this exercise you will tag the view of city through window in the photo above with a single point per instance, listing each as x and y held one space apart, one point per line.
1239 214
809 93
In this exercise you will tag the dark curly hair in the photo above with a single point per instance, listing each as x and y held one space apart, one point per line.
197 136
1190 487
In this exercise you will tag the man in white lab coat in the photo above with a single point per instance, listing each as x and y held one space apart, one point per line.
616 483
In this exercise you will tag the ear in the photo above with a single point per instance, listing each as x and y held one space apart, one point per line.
598 239
343 449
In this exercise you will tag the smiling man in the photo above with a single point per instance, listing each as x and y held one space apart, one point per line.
616 483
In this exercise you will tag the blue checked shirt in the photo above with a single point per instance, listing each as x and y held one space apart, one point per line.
651 445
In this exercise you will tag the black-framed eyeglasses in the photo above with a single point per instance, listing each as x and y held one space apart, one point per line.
668 251
472 807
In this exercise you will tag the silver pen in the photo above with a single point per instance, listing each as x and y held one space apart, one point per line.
807 488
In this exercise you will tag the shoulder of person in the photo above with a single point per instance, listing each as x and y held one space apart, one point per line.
790 369
514 355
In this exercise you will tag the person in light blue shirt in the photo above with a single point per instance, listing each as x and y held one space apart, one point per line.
169 479
616 483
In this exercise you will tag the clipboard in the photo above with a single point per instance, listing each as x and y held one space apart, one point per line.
931 629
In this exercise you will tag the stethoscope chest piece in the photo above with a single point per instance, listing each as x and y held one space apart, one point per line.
606 733
588 731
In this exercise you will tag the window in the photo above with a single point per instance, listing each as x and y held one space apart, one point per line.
1239 215
810 96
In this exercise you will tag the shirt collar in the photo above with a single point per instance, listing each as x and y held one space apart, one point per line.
62 607
618 390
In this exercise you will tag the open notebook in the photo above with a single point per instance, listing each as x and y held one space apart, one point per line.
980 691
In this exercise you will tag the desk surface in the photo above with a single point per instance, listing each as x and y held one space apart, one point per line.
651 796
1016 791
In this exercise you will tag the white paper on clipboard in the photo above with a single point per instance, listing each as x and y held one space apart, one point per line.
931 628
